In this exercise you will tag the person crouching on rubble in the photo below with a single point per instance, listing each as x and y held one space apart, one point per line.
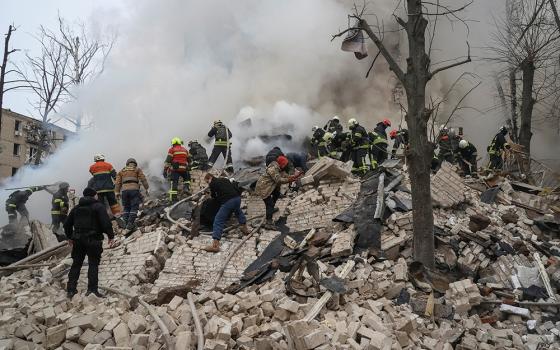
268 186
84 229
226 193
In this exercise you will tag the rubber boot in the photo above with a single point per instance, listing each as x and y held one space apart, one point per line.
269 225
214 247
244 229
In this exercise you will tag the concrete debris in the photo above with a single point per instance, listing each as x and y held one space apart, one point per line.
473 299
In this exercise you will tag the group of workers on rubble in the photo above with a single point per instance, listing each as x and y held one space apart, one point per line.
86 223
368 150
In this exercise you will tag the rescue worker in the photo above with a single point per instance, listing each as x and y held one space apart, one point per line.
268 186
222 141
127 188
341 144
103 182
331 150
467 157
454 139
272 155
297 161
378 140
59 208
445 146
16 203
176 168
359 143
229 199
400 138
496 149
84 229
318 142
333 126
199 158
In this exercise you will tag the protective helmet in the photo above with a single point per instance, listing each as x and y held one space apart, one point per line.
98 157
393 134
217 122
63 185
176 141
336 118
503 129
328 136
314 128
131 160
442 127
352 122
463 144
386 122
192 142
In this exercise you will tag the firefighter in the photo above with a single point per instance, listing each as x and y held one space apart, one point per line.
222 142
16 203
333 126
199 158
359 142
84 229
341 144
496 149
331 150
176 167
445 146
103 182
318 142
467 157
127 188
59 209
378 140
400 138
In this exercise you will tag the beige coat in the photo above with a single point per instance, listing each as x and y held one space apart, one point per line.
271 179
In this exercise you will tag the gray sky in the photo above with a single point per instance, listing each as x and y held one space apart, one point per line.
28 15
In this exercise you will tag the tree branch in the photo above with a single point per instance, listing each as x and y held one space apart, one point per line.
456 64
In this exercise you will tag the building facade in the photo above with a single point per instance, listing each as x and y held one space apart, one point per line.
20 140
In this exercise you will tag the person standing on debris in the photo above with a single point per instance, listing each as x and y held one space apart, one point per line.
378 140
127 187
359 142
400 138
16 203
176 168
198 155
333 126
497 147
445 146
84 229
467 157
59 207
341 144
331 150
229 198
268 186
222 142
318 142
103 182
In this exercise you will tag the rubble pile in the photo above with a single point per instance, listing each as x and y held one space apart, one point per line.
310 285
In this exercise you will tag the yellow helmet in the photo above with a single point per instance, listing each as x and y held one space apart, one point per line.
328 136
176 141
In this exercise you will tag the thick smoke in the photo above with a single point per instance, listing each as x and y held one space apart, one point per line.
178 65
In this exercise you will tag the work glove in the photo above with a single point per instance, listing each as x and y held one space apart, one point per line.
165 173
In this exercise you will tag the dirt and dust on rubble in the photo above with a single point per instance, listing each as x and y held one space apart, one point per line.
316 282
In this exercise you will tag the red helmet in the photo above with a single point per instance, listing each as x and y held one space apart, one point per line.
393 134
282 161
386 122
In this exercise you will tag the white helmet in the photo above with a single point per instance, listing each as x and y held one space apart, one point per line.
314 128
463 144
336 118
98 157
328 136
352 122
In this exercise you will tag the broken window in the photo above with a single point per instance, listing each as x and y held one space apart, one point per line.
17 149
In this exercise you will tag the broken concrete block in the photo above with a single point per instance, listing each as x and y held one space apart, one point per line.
122 335
84 322
137 323
289 305
315 339
175 302
73 333
87 337
343 244
137 340
183 341
54 336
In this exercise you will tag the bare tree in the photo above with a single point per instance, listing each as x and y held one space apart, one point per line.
46 76
527 43
414 80
86 54
4 71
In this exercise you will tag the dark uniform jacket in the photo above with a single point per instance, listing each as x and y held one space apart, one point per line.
103 176
359 137
219 133
400 140
222 189
468 152
20 197
59 203
272 155
317 138
89 219
198 154
333 126
498 144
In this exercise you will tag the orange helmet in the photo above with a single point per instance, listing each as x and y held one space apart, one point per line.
393 134
386 122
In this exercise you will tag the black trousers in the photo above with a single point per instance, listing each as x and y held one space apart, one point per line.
216 151
496 161
174 177
131 200
92 248
57 221
270 202
12 212
378 155
468 169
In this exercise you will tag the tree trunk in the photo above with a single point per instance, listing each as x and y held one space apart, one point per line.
513 91
527 103
3 70
416 78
